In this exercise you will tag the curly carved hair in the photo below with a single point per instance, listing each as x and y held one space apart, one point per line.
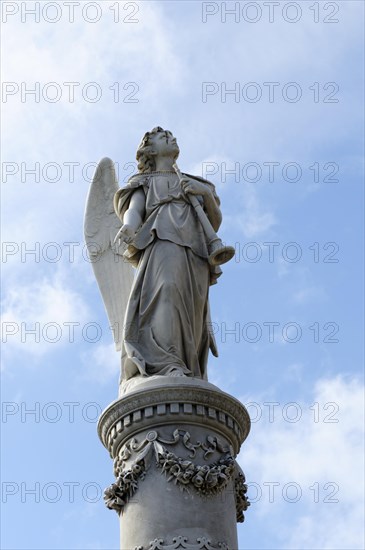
145 156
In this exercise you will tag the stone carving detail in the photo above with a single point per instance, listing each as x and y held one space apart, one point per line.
240 489
154 441
182 542
207 480
119 493
164 223
177 260
149 408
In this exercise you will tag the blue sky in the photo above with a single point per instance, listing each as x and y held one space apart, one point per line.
293 209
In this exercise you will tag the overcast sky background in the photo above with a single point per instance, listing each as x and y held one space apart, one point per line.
288 311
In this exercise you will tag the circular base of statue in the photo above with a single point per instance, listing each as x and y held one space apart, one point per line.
178 485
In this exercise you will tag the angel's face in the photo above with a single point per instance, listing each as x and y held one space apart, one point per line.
164 144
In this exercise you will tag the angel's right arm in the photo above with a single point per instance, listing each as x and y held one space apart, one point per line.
136 210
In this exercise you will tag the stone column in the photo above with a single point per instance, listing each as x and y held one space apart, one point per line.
174 441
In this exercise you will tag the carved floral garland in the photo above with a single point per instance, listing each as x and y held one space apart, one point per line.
119 493
206 480
240 491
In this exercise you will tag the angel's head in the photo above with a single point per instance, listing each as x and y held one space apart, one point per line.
158 142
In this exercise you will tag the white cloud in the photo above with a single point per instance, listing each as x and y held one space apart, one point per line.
101 364
324 446
329 531
83 53
308 294
36 317
255 218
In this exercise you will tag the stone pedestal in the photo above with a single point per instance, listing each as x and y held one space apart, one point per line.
174 443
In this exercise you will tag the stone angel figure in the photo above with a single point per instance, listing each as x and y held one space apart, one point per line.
163 224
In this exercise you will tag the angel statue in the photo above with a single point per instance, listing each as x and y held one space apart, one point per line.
168 234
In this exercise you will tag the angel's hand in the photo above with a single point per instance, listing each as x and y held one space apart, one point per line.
193 186
126 234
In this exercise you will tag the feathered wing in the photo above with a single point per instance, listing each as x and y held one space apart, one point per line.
113 274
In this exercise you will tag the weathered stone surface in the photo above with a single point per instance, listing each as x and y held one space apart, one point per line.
164 223
174 443
173 436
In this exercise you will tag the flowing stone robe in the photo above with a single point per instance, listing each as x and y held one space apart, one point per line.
167 327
